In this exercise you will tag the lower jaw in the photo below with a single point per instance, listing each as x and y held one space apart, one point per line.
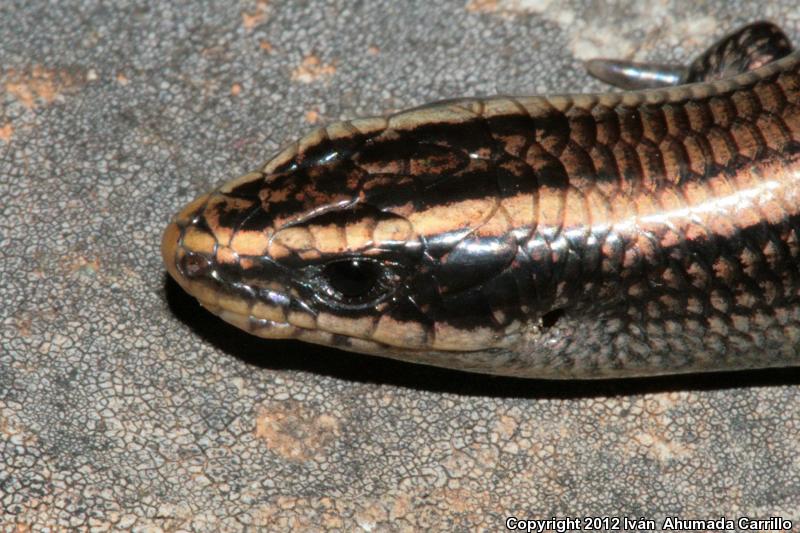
268 329
481 361
271 329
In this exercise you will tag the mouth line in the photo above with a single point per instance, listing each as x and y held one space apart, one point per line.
282 329
271 329
262 327
274 329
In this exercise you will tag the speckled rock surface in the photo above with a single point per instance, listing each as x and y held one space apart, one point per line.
123 404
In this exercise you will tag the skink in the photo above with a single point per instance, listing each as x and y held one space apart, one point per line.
645 232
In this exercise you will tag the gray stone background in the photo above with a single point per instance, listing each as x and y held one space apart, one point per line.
123 404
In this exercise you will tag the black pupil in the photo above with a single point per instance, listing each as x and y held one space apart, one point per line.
352 278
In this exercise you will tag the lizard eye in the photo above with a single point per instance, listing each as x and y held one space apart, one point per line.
354 278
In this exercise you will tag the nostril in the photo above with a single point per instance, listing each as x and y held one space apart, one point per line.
194 265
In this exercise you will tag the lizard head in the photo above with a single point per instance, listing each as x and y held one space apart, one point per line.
382 236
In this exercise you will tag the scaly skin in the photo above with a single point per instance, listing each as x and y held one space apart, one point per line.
586 236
